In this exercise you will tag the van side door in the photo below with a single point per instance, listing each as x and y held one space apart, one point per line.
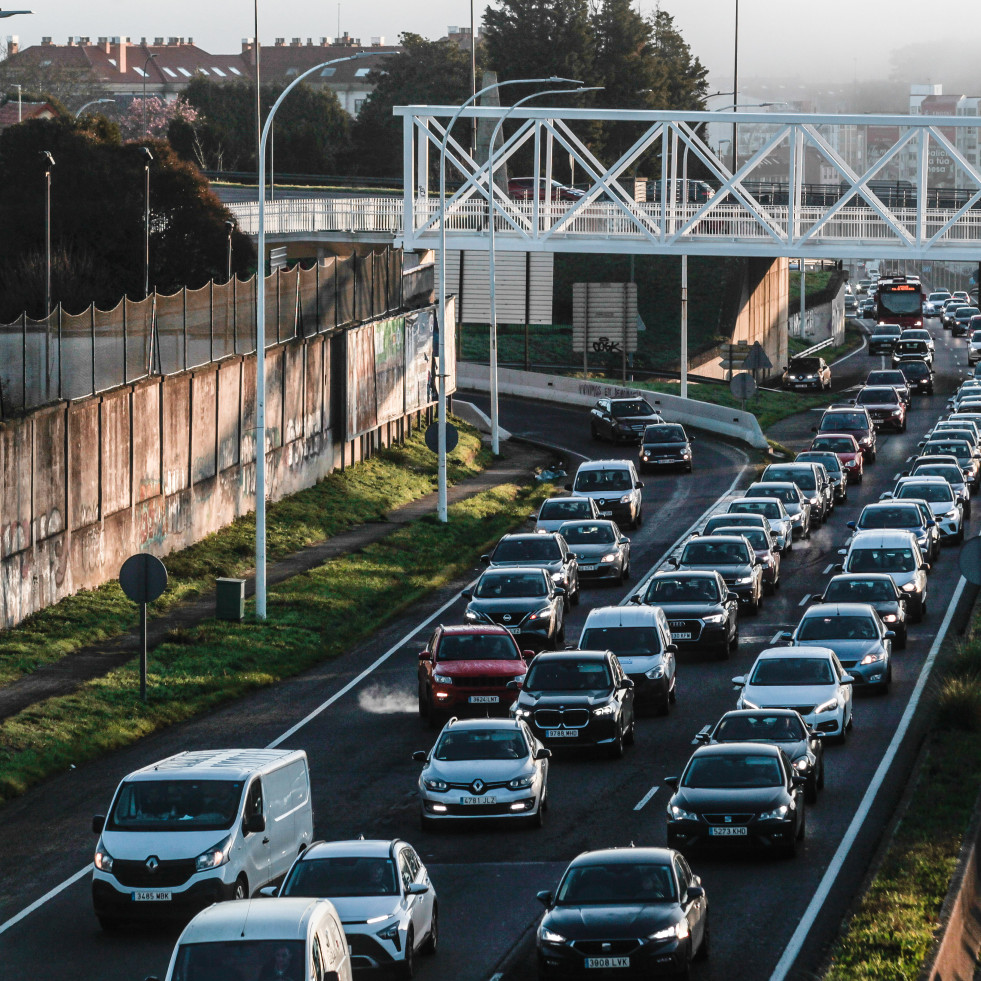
256 842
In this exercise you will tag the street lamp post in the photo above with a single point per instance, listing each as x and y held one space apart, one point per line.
147 160
96 102
495 415
441 509
49 163
229 228
20 103
735 83
149 58
260 341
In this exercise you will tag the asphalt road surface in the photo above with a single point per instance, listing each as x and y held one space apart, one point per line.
364 779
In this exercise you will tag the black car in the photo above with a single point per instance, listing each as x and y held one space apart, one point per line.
912 348
730 555
850 419
893 377
910 516
962 317
743 793
875 588
883 338
543 550
809 372
523 599
666 445
702 612
883 404
628 912
918 375
622 420
781 727
578 698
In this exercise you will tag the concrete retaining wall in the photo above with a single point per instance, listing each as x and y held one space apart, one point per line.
157 465
558 388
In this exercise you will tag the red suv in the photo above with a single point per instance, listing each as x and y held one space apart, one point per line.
465 670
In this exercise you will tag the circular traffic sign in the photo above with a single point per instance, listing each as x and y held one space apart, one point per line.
742 386
432 437
970 560
143 577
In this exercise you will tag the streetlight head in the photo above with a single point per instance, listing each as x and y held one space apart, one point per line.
146 153
14 13
49 160
230 226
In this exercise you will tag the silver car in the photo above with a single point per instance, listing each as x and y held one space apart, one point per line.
556 510
601 549
484 768
781 525
948 511
897 554
798 505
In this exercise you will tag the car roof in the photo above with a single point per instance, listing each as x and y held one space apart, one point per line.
775 653
625 856
570 522
734 749
535 536
352 847
759 500
577 655
674 573
749 713
227 764
843 576
779 484
605 465
280 918
482 723
479 629
882 538
510 570
632 615
838 609
890 503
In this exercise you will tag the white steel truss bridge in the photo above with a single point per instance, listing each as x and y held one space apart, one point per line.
813 186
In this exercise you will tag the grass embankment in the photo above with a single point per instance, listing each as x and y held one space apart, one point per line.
362 493
892 930
311 618
853 340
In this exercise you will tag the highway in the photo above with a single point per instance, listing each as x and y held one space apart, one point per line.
360 748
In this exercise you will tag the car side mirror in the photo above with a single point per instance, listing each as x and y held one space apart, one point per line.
528 655
890 635
839 567
545 898
739 681
786 636
729 595
417 888
485 559
269 891
671 560
424 655
671 782
513 685
703 735
847 679
926 565
816 598
467 594
850 524
814 429
543 754
695 892
842 551
931 524
98 823
627 684
420 755
559 590
623 540
533 516
636 598
797 780
254 824
671 648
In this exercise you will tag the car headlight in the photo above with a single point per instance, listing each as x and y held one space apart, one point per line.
213 857
831 705
747 704
625 499
645 455
677 932
686 455
744 580
851 463
897 412
801 763
951 515
522 713
715 618
541 614
442 679
102 859
558 577
777 814
890 618
521 783
810 377
921 540
435 784
873 657
656 672
391 932
909 587
473 616
550 936
797 518
611 557
676 813
610 708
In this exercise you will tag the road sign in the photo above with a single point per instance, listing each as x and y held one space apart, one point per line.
143 578
757 360
970 560
432 437
742 386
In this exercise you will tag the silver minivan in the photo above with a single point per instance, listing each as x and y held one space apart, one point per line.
896 554
198 828
614 486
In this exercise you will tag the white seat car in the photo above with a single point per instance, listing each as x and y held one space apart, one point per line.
809 680
895 553
947 509
383 896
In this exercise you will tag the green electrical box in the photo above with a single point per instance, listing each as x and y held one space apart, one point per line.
229 599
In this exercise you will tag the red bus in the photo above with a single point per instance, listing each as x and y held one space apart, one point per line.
899 300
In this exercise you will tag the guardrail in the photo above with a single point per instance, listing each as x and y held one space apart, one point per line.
827 342
720 419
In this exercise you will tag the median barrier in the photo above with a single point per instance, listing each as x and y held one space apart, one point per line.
718 419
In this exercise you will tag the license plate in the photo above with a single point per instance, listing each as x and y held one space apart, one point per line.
735 832
607 962
151 896
679 636
587 568
512 630
483 699
476 801
561 733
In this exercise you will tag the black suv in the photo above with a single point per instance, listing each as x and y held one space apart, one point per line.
578 698
667 445
883 338
622 420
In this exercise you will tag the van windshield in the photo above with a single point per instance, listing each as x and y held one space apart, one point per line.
623 641
176 805
232 960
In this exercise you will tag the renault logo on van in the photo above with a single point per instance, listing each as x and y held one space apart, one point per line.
478 786
152 863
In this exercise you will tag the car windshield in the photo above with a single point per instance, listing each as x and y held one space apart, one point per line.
878 396
914 369
736 521
911 347
935 493
963 313
176 805
588 533
769 509
715 553
802 477
843 627
829 461
889 516
342 875
844 420
603 480
664 434
480 744
837 444
631 407
792 671
683 589
954 448
477 647
885 378
805 364
860 591
233 960
881 560
789 495
948 471
733 772
580 507
616 883
534 548
759 728
568 674
506 585
934 297
756 536
623 641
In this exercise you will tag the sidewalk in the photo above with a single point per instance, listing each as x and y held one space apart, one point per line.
515 465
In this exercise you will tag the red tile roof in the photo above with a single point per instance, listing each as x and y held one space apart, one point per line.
10 114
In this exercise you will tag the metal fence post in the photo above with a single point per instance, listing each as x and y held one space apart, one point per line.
125 359
92 336
211 318
234 315
23 361
183 320
60 350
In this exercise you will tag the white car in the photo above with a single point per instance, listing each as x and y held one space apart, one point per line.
382 893
947 509
614 486
895 553
974 347
809 680
556 510
771 508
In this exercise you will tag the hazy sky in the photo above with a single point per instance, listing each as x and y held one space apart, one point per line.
835 38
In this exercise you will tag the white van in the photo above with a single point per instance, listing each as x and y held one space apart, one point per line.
292 939
198 828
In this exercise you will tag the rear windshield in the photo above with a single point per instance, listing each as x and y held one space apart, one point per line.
623 641
534 548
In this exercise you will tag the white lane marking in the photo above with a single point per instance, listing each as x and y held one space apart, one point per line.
820 896
828 568
805 598
50 894
851 354
650 793
496 977
775 637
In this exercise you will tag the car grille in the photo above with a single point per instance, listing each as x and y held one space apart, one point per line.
480 810
508 619
729 818
172 873
469 786
606 948
693 627
801 709
574 718
482 681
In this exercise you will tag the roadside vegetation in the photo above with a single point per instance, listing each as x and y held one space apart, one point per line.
363 493
892 929
311 618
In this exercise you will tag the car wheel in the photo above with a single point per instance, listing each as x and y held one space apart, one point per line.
811 790
616 747
110 924
408 966
241 890
423 704
432 941
703 948
901 640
